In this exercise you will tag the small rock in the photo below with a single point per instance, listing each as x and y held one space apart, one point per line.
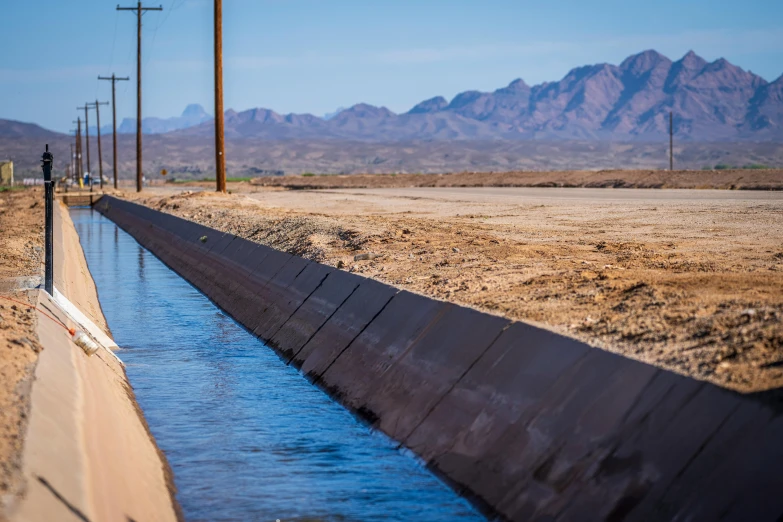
340 264
411 256
455 250
364 257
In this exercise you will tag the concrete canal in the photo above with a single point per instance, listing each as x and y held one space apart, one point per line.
248 437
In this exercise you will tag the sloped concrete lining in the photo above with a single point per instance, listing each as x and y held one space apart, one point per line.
338 333
529 423
314 312
88 454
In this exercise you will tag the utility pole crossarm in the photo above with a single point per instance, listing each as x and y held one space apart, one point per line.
139 8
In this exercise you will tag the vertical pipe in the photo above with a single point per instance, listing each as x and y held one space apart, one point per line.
46 165
220 159
138 98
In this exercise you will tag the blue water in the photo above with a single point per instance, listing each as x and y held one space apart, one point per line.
248 437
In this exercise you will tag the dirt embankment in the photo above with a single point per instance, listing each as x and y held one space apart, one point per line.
21 255
741 179
694 286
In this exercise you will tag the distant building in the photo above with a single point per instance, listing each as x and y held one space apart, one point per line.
6 172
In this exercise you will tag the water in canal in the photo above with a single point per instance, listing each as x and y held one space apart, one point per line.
248 437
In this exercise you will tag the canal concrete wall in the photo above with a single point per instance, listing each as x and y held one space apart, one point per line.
88 454
528 423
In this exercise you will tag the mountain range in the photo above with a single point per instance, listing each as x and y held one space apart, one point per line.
710 101
192 115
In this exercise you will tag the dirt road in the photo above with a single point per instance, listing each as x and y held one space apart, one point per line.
688 280
762 179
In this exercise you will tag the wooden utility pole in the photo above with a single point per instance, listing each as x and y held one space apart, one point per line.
139 11
220 158
97 108
79 166
671 141
71 165
87 140
114 81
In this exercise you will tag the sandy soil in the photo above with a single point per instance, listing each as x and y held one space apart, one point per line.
21 243
688 280
771 179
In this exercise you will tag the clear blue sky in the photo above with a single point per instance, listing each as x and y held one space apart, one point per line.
315 55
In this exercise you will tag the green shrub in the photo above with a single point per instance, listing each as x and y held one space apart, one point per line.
308 174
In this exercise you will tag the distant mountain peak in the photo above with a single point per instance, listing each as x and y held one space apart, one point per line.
644 61
194 110
464 98
438 103
193 115
366 110
518 85
330 115
691 60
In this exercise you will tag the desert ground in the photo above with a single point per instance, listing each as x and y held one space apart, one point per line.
731 179
690 280
21 255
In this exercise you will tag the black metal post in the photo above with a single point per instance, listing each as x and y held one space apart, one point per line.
46 165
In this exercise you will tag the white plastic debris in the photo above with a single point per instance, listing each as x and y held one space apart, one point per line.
84 342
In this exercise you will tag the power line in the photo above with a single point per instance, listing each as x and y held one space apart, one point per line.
114 40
